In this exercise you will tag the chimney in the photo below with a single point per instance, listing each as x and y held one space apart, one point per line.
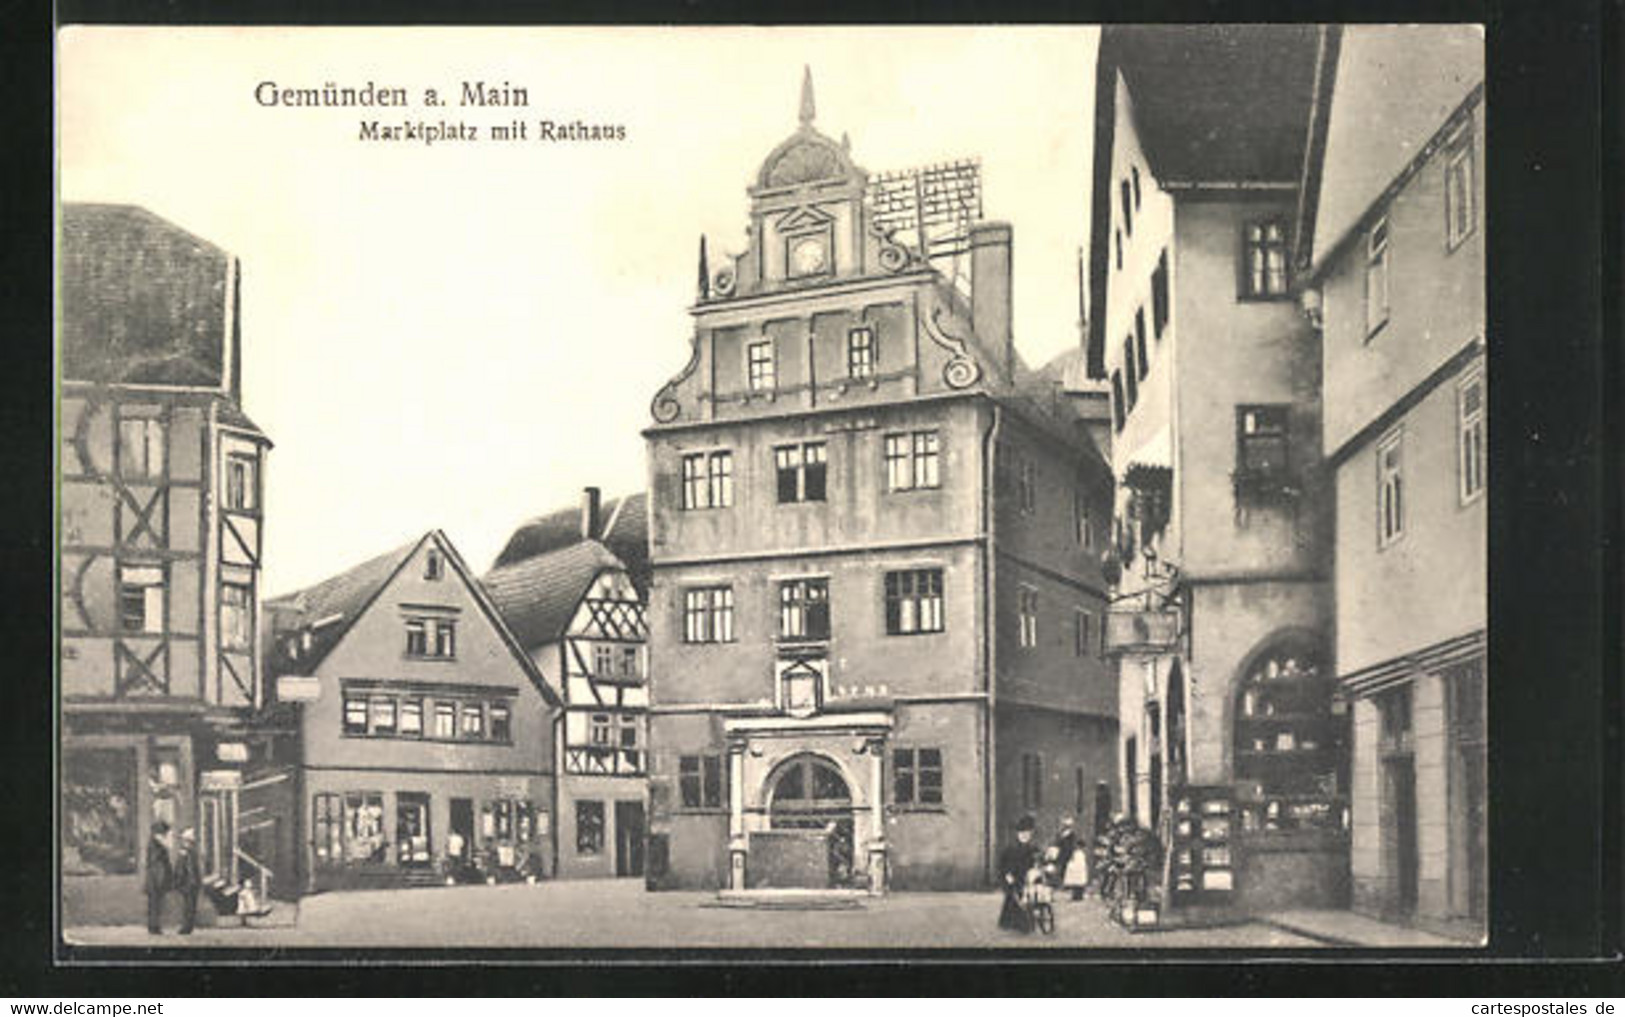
589 513
990 291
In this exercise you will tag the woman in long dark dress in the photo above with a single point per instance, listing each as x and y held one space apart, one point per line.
1014 863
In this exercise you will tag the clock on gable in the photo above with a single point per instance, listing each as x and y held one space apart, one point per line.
809 255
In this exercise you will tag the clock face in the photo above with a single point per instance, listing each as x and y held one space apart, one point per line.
808 256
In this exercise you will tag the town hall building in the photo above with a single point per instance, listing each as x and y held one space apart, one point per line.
874 540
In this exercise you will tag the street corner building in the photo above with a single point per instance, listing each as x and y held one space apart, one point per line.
425 729
876 598
163 712
572 587
1391 240
1254 391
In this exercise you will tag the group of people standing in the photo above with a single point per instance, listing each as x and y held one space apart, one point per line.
180 872
1065 862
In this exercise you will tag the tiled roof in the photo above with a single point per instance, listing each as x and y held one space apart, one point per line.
623 528
331 606
143 301
537 596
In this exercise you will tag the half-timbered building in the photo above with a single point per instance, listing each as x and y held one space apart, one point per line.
160 542
579 614
426 731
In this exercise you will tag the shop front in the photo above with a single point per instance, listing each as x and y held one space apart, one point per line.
407 829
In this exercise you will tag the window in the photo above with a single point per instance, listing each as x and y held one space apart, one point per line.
1395 731
1142 362
708 480
433 565
355 715
472 721
708 615
1032 780
382 714
141 598
412 718
801 472
759 367
804 609
1082 635
501 723
1376 278
1159 294
1028 604
1390 490
699 781
1131 374
1470 412
1264 272
911 461
1261 439
1460 217
1119 237
141 447
242 485
431 637
236 616
1119 411
860 353
589 828
445 720
603 659
327 826
629 662
1083 528
917 776
1126 194
1027 484
913 602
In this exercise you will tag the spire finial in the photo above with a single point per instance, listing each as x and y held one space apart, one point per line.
807 111
705 272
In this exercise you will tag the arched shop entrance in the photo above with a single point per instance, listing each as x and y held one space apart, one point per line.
809 794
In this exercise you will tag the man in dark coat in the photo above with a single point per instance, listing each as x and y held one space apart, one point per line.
188 880
160 876
1015 861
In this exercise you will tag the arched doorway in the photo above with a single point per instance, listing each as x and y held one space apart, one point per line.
808 792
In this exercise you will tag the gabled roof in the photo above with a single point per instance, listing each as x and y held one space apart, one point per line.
1213 104
623 529
143 302
331 608
538 596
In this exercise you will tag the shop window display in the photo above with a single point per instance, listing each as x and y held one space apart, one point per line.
364 839
1289 745
98 812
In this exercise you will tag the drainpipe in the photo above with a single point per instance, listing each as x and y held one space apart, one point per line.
990 445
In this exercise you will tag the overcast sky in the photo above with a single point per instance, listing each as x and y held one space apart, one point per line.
462 336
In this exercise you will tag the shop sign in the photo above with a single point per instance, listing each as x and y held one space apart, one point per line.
294 689
220 780
1141 631
231 752
513 787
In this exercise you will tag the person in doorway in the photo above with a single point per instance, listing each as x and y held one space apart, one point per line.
1015 861
160 876
1072 858
188 880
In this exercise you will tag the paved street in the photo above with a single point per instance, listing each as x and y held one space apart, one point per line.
619 913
